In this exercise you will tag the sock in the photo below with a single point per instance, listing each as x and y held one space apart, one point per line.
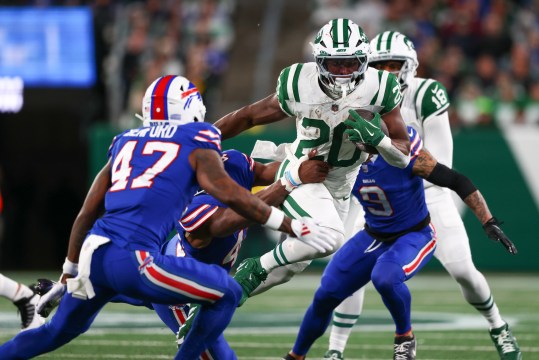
281 275
289 251
13 290
345 317
476 291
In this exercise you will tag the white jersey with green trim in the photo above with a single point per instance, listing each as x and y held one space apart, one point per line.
423 98
319 118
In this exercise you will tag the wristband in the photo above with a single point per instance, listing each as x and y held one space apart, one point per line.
70 268
275 219
287 185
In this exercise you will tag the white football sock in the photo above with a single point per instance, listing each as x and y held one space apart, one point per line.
476 291
280 275
345 317
13 290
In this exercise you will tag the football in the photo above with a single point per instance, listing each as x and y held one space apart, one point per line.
369 115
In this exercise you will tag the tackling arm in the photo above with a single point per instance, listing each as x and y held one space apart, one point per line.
427 167
213 178
262 112
225 221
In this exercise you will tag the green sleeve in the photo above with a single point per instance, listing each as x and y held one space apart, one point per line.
287 87
389 94
433 101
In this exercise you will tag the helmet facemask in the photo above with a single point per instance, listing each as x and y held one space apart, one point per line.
341 40
340 85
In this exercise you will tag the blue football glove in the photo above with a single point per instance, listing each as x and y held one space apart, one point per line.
364 131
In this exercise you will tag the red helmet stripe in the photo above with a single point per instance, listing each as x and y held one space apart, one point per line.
159 109
189 92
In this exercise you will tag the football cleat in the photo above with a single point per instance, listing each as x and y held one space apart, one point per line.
42 287
26 307
250 274
333 355
505 343
288 357
404 348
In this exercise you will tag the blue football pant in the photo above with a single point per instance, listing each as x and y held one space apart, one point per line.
361 259
151 277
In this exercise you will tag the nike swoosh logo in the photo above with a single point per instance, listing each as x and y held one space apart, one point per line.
370 133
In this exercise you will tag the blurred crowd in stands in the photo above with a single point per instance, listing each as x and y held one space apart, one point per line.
486 52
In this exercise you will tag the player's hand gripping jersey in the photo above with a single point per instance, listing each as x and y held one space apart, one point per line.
147 186
388 194
222 251
319 118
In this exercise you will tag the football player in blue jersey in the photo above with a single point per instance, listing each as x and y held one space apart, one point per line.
211 232
397 241
425 106
150 177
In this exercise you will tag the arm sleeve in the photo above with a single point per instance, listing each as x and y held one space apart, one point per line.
438 139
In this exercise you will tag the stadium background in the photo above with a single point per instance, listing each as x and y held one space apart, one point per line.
485 52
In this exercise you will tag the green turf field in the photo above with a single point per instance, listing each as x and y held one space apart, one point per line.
265 327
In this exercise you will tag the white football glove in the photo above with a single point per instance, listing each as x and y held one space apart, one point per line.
51 299
308 231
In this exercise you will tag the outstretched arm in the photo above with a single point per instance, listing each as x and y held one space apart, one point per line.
262 112
213 178
225 221
93 206
427 167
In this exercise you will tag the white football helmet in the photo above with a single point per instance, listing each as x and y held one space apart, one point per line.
172 99
392 45
341 39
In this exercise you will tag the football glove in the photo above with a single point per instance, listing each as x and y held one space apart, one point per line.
494 231
309 232
51 293
364 131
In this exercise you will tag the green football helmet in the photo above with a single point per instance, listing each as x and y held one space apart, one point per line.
392 45
341 39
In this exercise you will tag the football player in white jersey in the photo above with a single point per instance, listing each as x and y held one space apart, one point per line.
320 95
424 107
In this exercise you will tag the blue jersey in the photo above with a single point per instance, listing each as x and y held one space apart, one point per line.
152 182
222 251
393 199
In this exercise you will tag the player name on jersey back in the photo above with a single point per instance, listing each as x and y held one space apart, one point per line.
163 131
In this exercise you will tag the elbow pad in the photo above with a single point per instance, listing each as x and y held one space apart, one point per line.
443 176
